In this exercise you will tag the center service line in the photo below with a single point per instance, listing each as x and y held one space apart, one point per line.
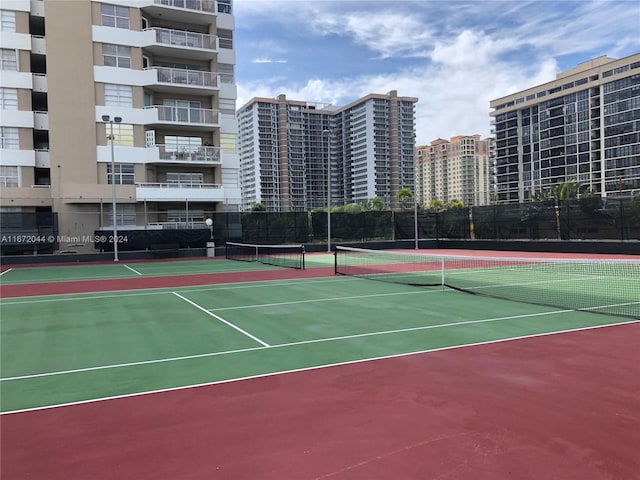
134 271
222 320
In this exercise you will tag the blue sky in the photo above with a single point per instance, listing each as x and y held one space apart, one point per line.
454 56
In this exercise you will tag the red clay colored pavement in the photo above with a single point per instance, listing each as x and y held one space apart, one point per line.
138 283
560 407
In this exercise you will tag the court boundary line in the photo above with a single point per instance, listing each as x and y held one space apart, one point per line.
226 322
281 345
6 271
305 369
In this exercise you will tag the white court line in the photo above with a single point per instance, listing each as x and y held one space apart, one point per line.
6 271
222 320
327 299
134 271
306 369
67 297
291 344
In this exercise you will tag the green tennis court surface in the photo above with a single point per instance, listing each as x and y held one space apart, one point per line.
75 348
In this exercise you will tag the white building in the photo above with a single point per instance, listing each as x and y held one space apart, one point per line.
284 146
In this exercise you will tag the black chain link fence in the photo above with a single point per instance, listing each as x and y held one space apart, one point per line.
590 218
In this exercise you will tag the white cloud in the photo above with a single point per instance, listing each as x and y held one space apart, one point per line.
452 100
462 55
267 60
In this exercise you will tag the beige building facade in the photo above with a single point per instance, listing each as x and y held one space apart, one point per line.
136 93
455 169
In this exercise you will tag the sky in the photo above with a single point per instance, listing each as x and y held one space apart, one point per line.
454 56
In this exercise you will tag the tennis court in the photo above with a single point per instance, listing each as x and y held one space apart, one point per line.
223 369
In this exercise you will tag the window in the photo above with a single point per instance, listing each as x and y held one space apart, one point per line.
225 38
122 134
125 214
8 60
182 111
226 73
182 144
118 95
9 98
123 174
9 138
224 6
9 176
7 21
114 16
116 55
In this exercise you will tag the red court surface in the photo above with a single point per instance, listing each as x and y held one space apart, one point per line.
564 406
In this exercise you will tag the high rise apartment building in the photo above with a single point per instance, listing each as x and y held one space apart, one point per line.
455 169
159 73
582 127
284 146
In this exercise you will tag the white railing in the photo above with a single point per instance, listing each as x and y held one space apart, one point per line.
200 116
205 154
208 6
181 38
178 225
180 76
199 186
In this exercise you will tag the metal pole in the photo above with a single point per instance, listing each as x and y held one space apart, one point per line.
415 218
329 192
113 194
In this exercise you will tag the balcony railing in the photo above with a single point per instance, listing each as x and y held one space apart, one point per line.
198 186
188 115
199 5
180 76
181 38
203 154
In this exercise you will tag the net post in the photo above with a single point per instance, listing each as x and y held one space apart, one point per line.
442 272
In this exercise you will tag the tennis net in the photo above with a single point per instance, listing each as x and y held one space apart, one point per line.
291 256
610 287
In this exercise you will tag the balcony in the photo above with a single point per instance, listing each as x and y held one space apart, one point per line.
184 117
196 12
42 158
170 80
39 82
201 155
181 43
192 192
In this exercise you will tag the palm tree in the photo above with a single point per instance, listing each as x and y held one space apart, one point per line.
405 196
436 206
375 203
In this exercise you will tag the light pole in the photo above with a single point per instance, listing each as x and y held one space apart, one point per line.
107 119
209 223
415 217
328 133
